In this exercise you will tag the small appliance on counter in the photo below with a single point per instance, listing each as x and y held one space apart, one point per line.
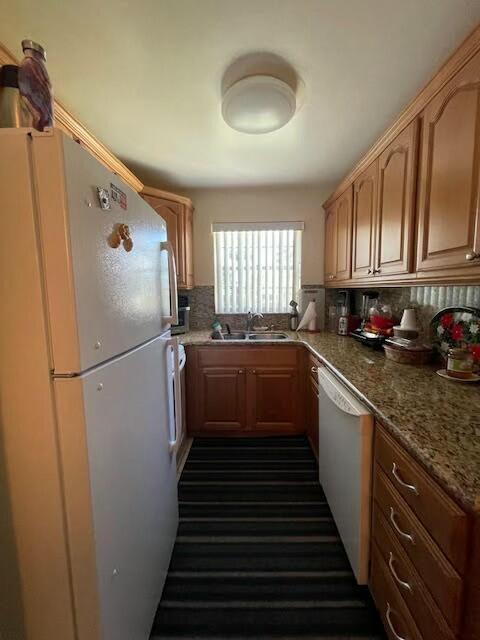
293 317
408 326
377 321
183 325
347 321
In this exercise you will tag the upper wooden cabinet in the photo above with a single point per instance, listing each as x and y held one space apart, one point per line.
448 236
338 238
364 212
416 194
394 235
177 212
330 243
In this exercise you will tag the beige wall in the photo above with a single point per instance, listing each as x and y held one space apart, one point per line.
259 204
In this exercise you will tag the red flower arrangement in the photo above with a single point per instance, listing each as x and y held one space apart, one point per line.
447 320
457 332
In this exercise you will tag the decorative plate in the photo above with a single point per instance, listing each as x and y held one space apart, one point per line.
457 327
444 374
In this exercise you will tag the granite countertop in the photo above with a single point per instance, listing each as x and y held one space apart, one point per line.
437 420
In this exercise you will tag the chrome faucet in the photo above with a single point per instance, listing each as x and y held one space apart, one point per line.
251 317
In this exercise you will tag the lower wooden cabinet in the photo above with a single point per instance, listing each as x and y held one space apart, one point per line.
220 403
421 584
244 389
272 398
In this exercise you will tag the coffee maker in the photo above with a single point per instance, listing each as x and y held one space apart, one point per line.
369 298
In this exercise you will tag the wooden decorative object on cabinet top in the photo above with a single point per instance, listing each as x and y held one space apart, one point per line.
66 121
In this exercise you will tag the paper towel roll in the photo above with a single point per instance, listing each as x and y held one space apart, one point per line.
309 317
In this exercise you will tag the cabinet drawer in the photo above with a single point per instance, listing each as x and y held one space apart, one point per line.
439 576
395 616
446 522
425 612
244 356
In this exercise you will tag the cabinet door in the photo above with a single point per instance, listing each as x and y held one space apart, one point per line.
448 202
364 212
343 210
176 215
396 204
272 398
220 399
330 243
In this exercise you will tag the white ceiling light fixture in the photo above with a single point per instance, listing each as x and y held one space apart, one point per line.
258 104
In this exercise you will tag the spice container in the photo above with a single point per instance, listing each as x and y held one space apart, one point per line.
459 363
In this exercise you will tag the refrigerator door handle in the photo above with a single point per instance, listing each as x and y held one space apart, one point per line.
175 412
172 276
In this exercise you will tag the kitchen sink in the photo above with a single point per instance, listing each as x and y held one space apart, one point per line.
267 336
240 335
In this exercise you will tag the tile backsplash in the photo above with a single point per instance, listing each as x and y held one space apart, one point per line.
202 313
202 304
426 300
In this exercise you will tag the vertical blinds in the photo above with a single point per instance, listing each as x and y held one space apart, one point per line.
257 267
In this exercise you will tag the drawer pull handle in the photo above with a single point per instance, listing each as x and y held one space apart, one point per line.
390 624
405 485
398 580
407 536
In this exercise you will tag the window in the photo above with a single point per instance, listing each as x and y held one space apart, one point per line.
257 266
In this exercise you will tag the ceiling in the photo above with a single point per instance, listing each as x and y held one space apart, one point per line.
145 77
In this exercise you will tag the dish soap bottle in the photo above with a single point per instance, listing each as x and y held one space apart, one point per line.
35 86
293 318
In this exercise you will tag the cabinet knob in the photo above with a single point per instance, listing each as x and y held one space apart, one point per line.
369 271
375 271
314 370
472 255
240 371
254 371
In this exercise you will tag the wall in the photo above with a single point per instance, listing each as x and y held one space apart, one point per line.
259 205
252 205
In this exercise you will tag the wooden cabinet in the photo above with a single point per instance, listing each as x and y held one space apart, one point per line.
330 243
364 212
421 540
221 398
449 181
394 233
272 398
338 238
416 202
244 389
177 212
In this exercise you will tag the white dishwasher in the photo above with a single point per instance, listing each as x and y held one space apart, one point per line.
345 467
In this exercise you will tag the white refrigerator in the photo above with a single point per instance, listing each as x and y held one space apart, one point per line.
104 279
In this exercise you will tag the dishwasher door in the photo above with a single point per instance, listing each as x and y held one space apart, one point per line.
345 467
